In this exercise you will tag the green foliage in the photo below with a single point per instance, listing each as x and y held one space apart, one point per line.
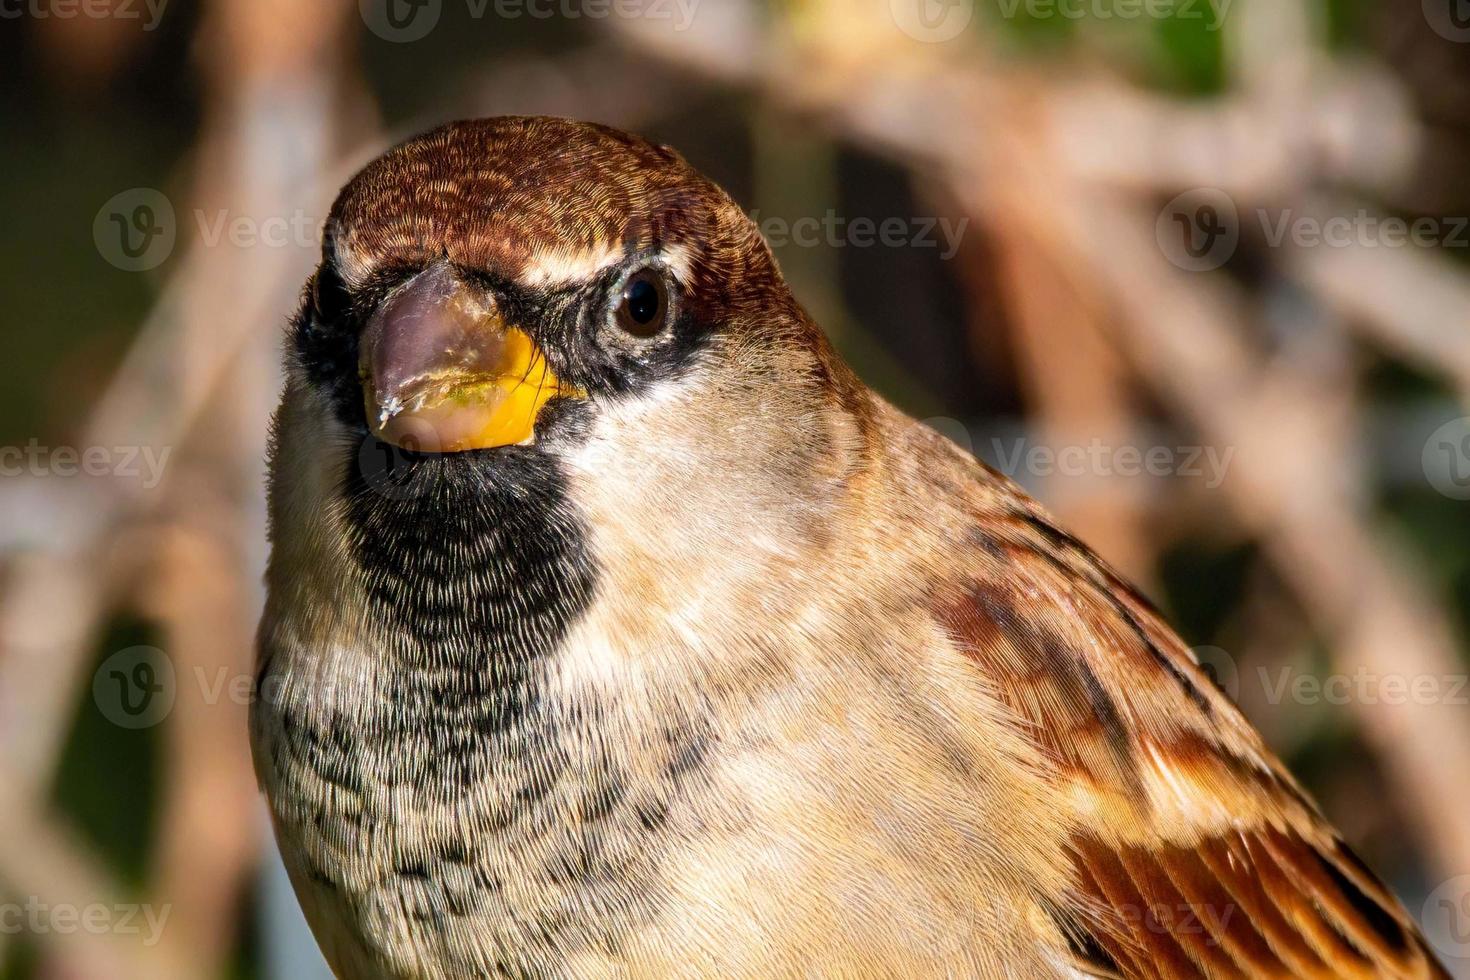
107 782
1190 53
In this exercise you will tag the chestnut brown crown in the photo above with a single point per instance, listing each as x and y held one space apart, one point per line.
519 195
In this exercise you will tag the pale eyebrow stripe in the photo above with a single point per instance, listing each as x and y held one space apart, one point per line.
544 269
351 265
562 267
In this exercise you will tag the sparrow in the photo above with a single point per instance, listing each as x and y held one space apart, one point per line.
615 628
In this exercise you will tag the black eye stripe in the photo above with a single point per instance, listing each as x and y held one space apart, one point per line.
575 323
330 300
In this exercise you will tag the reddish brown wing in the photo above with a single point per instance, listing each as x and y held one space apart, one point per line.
1195 854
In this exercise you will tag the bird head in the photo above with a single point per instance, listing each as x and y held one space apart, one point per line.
575 354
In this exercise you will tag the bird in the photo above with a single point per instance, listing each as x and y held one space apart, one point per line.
615 628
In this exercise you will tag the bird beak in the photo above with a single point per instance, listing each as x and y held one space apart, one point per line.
442 371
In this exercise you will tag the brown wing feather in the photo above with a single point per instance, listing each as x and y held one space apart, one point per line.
1194 852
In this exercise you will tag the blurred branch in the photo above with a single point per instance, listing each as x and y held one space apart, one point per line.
44 867
48 623
201 378
1079 398
276 93
1415 305
1359 590
1352 126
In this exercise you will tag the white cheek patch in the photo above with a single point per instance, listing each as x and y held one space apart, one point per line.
621 418
621 461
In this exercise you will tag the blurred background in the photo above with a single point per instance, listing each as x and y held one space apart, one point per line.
1193 271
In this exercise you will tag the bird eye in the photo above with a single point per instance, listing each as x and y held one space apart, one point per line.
644 304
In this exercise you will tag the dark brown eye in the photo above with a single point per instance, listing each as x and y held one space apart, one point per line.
644 304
